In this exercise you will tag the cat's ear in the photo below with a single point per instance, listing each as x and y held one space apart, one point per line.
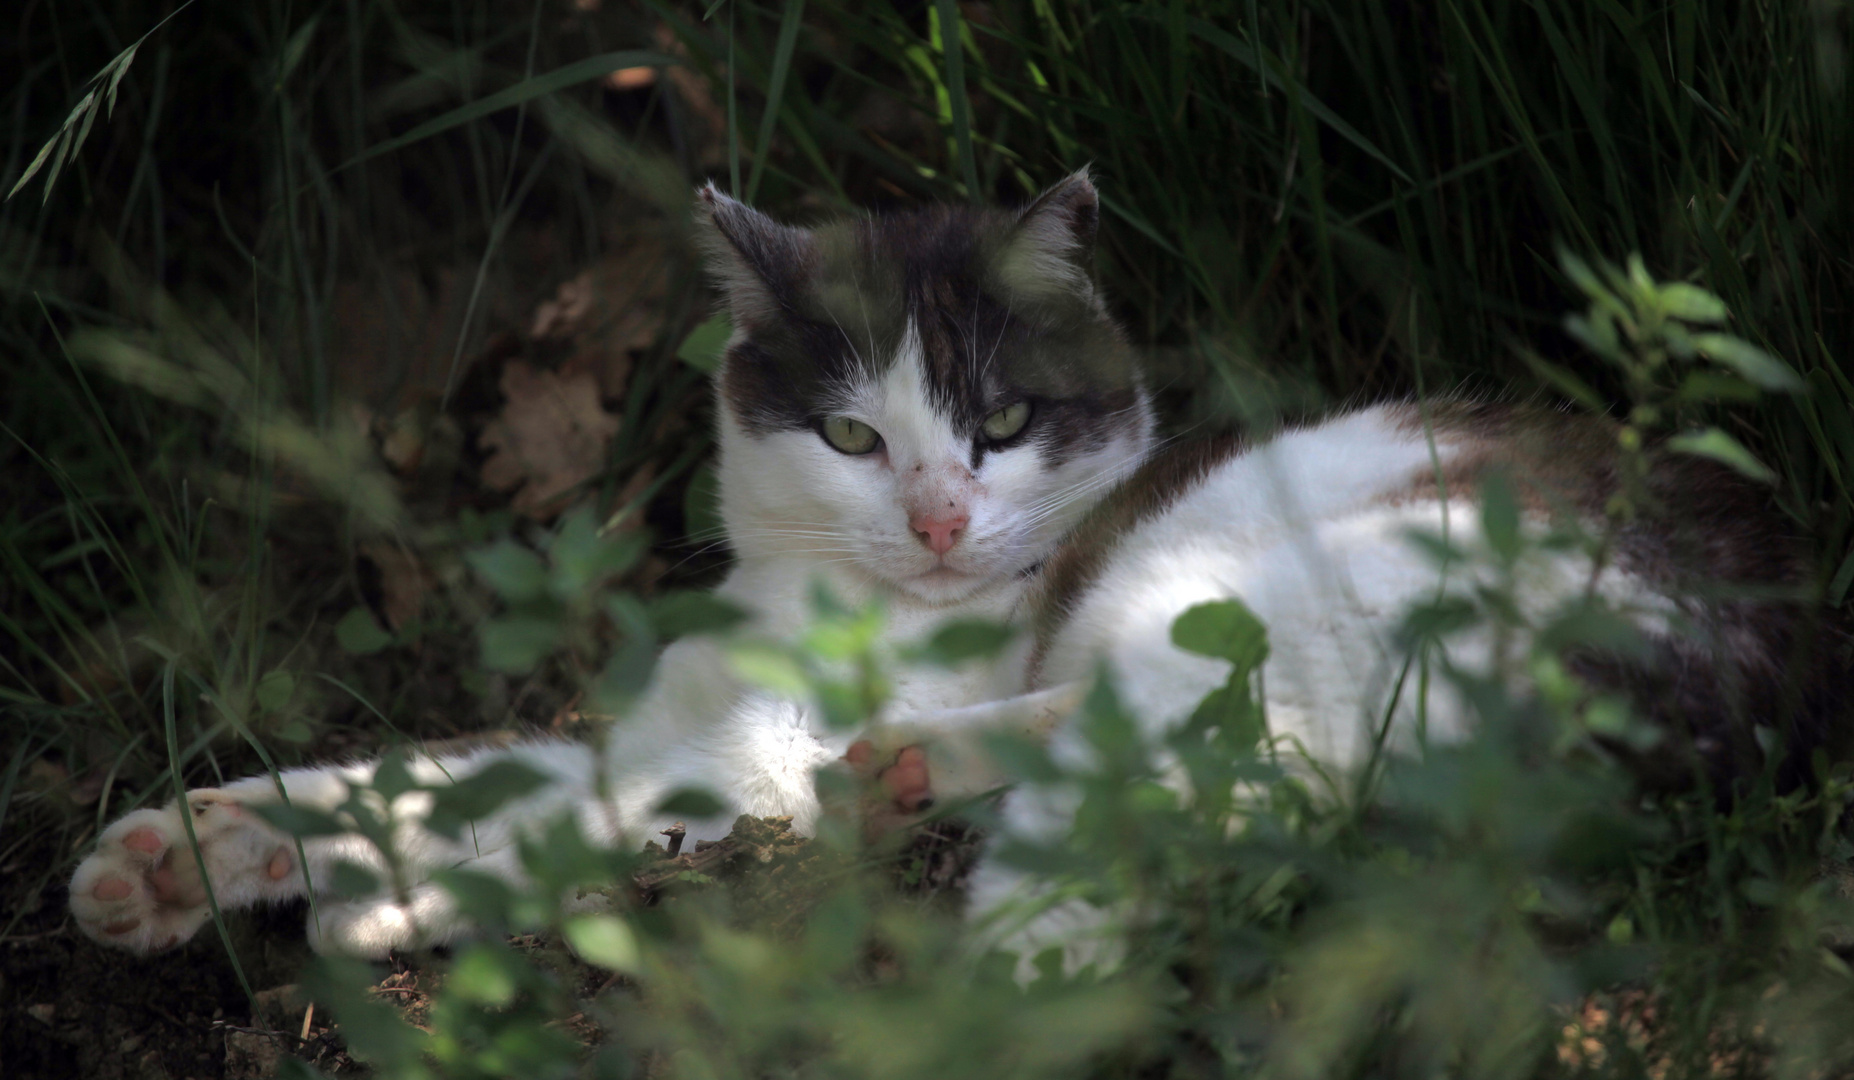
1049 253
758 263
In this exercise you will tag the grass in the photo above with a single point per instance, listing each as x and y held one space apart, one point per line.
306 230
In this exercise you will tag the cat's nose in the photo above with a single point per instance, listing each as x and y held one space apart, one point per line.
939 531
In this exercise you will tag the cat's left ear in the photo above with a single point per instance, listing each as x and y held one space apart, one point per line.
1049 253
759 264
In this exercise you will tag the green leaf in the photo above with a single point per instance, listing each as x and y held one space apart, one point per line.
1434 548
843 705
392 777
484 974
690 803
486 791
516 643
1592 625
584 558
1639 276
1691 303
359 633
1224 629
274 690
964 640
703 348
370 1026
1596 333
1700 387
1427 622
517 574
295 731
483 897
604 941
625 676
1500 517
561 858
349 879
693 611
769 667
1582 276
1750 361
1717 445
300 821
1232 709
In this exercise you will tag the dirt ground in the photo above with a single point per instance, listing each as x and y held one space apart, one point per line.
71 1009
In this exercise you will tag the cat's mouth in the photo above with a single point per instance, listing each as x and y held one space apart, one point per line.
942 583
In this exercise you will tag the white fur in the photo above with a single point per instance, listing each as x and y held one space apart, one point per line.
1308 529
798 513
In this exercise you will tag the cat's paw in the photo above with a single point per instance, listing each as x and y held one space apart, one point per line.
901 778
142 889
895 785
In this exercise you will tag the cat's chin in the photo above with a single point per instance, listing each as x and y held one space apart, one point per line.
944 585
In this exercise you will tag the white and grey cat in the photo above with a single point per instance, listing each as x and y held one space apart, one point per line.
934 410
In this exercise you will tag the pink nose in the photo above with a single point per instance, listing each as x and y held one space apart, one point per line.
939 533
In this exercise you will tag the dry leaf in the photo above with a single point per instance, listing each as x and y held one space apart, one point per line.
550 436
404 582
610 310
632 78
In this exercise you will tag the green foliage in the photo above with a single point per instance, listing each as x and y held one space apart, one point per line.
702 349
1648 331
1301 202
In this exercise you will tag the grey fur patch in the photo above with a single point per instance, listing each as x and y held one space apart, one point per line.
824 309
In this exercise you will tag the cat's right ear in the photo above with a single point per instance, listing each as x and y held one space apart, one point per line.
1049 252
759 264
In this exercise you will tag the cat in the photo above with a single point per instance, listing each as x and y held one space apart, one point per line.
934 409
1310 530
914 408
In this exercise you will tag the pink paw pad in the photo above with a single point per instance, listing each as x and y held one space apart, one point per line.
145 840
112 889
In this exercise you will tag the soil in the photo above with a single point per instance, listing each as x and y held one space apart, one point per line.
71 1009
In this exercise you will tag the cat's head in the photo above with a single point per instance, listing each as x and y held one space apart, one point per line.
930 397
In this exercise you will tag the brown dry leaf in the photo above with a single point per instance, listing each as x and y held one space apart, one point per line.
393 337
611 309
550 436
393 334
404 581
632 78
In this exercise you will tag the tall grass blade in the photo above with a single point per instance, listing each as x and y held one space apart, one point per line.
789 24
950 23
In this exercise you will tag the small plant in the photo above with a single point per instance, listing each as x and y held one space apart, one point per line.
1662 337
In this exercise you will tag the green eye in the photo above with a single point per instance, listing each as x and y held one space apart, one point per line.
850 436
1007 421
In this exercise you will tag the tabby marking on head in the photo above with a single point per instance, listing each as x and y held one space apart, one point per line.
931 397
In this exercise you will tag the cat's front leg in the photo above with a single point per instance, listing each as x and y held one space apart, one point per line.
144 890
921 758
